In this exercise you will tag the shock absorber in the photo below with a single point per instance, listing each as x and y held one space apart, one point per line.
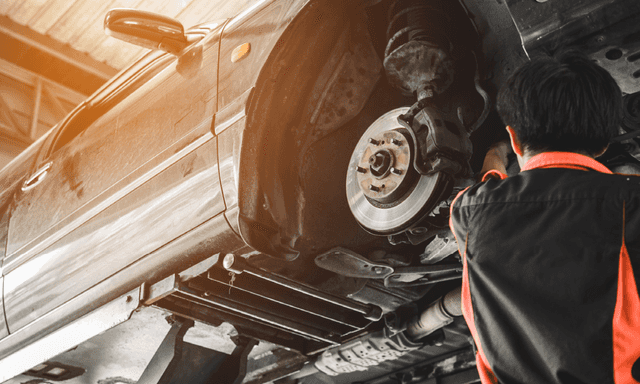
428 42
418 52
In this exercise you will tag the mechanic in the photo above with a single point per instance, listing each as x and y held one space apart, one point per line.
552 254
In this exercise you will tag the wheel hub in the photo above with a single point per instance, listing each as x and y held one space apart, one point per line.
380 163
382 171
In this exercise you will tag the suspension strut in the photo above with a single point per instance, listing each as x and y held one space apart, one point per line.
417 56
421 59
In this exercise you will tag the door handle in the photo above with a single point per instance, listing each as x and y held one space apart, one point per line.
36 177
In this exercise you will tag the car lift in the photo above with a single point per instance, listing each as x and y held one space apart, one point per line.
177 361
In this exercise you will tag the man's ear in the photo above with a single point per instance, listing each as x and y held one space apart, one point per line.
601 152
515 142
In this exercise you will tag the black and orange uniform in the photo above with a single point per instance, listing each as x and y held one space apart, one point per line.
551 260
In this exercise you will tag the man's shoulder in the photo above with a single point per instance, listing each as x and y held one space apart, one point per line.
551 184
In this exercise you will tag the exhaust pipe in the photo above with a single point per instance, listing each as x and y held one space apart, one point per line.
385 345
436 316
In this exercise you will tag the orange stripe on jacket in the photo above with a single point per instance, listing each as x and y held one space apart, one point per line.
626 320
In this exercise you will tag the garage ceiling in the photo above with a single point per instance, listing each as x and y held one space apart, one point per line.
54 53
79 23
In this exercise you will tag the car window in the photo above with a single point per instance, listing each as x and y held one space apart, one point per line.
121 86
109 95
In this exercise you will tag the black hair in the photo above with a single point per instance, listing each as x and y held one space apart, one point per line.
564 102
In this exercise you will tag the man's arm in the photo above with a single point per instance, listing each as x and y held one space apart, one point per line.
495 161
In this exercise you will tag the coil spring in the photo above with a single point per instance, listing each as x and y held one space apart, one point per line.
424 20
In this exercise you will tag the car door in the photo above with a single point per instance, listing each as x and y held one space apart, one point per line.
4 226
11 177
133 169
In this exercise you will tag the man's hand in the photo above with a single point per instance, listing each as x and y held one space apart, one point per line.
496 158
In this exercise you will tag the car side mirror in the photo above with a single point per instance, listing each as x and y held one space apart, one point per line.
146 29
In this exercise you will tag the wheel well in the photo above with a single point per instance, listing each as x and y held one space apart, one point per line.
292 83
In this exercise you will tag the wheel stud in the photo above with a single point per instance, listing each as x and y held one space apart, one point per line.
396 142
361 170
373 141
374 188
396 171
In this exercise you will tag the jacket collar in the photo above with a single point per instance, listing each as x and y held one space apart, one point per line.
564 160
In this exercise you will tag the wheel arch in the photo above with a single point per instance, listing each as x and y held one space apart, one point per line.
268 194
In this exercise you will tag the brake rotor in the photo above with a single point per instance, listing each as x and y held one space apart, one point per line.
385 193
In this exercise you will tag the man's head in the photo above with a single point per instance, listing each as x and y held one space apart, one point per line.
561 103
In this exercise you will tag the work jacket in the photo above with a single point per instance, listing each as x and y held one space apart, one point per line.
551 259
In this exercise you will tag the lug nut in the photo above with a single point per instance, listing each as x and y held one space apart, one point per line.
374 188
373 141
361 170
396 171
396 142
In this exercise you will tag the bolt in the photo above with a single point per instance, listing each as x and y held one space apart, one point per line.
373 141
374 188
418 230
396 142
378 270
361 170
425 94
396 171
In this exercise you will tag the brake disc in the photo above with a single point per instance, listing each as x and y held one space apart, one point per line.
385 193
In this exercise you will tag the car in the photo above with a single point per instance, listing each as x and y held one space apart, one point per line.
288 172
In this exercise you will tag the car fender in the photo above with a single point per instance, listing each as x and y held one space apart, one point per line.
293 81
